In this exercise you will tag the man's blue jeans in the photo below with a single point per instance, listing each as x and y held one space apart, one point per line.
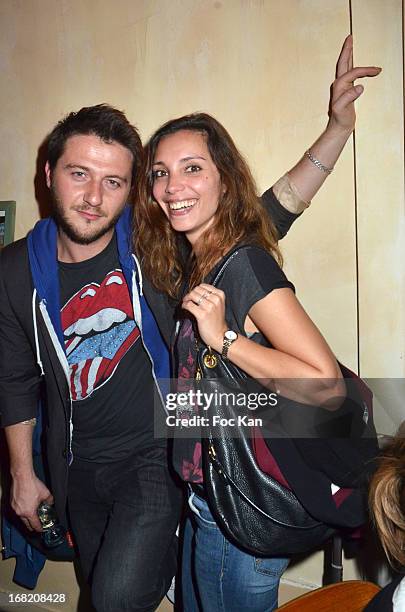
219 577
124 517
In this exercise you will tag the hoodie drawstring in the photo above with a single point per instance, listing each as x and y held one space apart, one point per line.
139 273
135 294
34 320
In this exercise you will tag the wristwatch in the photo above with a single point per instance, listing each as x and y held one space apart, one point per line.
229 337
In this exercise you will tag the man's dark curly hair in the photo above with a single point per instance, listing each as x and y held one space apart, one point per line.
102 120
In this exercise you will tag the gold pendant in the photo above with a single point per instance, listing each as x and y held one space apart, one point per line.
210 360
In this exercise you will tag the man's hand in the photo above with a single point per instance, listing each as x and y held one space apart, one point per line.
27 492
343 91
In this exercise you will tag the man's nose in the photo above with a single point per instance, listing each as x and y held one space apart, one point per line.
94 193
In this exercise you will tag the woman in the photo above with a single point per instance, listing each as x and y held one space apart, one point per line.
201 188
387 503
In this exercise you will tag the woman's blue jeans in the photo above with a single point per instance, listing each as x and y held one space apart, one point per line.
219 577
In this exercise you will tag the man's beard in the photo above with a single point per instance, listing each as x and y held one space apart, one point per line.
69 229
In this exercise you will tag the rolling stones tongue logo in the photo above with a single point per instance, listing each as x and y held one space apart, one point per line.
99 328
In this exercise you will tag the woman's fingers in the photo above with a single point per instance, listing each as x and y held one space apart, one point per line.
207 304
348 97
345 60
346 80
203 292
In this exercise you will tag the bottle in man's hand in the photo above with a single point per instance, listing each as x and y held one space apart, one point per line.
53 533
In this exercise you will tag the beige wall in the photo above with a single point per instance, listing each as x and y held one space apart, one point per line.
262 67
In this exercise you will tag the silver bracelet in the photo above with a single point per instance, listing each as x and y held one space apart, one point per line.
32 422
317 163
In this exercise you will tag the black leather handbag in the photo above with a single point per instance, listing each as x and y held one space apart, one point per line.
253 509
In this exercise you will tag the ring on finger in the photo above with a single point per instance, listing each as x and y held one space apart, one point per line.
202 297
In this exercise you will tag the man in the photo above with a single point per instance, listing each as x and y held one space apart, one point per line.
83 331
99 369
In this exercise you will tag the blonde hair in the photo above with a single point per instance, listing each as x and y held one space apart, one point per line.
387 499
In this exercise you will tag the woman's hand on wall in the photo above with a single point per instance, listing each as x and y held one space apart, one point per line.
307 176
342 114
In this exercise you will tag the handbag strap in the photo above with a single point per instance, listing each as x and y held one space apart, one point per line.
226 261
230 256
218 276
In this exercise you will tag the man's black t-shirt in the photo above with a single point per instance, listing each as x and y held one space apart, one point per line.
111 379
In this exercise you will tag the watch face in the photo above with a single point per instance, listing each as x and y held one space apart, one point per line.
230 335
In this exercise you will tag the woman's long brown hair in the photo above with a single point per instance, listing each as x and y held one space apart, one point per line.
240 217
387 500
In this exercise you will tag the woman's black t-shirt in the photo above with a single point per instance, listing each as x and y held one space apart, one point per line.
248 278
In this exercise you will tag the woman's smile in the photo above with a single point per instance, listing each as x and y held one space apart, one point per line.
181 206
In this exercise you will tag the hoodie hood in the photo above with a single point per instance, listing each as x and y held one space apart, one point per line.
42 252
43 256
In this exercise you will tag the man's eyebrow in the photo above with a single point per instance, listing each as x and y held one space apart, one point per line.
117 176
183 159
80 167
77 166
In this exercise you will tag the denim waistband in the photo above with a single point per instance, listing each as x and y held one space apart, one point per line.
198 489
